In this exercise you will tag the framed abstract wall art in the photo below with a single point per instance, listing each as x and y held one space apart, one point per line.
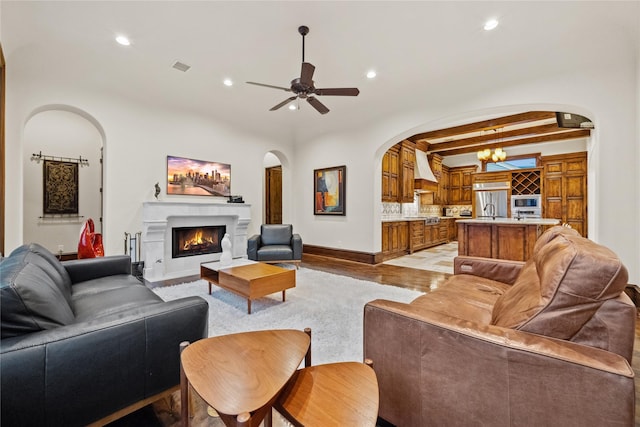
198 177
329 191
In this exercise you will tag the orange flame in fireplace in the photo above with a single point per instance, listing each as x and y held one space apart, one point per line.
196 240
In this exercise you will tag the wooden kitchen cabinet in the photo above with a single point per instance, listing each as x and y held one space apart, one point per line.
395 240
441 173
491 177
564 193
398 166
391 174
416 230
407 168
453 230
448 230
460 184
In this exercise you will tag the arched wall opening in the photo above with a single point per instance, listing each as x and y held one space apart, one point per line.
61 133
591 145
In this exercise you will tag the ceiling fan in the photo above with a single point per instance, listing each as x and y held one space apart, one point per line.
303 86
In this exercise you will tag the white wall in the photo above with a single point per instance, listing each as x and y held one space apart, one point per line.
61 134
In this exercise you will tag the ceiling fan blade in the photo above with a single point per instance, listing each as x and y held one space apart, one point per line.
306 74
283 103
286 89
322 109
345 91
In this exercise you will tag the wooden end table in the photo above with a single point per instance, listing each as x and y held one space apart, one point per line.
240 375
249 279
334 394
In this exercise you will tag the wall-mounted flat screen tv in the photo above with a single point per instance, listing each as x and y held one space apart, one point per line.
192 177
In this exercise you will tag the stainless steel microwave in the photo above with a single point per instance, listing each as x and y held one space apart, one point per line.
526 201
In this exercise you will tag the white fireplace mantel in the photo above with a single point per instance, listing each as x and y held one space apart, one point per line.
159 217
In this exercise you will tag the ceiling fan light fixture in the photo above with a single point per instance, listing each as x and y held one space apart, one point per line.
304 86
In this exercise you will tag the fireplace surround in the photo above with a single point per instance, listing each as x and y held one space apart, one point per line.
160 217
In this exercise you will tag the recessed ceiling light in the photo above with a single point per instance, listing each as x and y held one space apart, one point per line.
292 107
227 82
123 40
371 74
491 24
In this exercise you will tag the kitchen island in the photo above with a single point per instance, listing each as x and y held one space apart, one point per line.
501 238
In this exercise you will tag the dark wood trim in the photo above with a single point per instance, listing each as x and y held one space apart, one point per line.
486 124
68 256
345 254
552 137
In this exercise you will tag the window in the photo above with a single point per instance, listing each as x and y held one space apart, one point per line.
527 161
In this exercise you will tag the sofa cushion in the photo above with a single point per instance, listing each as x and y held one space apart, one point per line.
276 234
551 234
102 284
30 300
39 255
275 253
567 282
93 306
465 297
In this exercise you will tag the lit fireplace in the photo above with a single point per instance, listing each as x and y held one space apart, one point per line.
190 241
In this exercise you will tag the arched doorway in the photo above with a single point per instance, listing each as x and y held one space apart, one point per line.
66 136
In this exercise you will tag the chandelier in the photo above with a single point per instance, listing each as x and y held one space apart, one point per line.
498 154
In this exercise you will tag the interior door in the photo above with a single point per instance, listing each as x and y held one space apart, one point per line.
273 199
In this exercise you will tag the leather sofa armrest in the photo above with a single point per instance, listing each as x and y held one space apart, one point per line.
296 244
500 270
253 244
81 270
80 373
436 369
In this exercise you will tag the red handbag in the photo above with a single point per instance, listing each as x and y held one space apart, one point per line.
90 243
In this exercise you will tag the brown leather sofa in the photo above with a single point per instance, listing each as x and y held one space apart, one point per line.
547 342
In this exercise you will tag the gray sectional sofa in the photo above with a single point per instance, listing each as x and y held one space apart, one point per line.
84 340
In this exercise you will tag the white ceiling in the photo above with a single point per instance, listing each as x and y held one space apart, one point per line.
426 53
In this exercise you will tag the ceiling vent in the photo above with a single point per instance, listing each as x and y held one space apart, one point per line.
181 66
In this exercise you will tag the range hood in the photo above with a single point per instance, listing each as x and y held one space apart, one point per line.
424 179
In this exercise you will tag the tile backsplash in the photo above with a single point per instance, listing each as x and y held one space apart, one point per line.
392 210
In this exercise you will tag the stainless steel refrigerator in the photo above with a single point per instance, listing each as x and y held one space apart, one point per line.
491 203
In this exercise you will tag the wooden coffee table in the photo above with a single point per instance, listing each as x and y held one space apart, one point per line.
249 279
241 375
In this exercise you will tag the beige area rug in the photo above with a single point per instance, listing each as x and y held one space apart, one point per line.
331 305
438 258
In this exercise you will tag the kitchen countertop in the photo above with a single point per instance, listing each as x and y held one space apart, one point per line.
536 221
419 218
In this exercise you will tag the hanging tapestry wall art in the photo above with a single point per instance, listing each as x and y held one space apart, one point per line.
60 187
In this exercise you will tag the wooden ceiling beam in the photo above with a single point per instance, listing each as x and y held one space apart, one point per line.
496 136
550 137
486 124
